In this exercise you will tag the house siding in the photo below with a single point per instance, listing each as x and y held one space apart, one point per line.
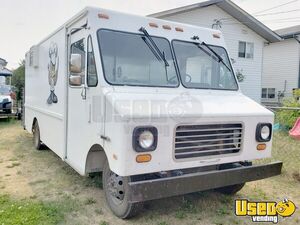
233 31
281 63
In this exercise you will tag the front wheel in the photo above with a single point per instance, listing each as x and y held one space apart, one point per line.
116 193
231 190
8 111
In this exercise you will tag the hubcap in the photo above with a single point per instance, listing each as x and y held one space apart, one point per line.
115 187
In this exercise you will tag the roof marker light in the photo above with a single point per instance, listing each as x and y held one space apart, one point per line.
167 27
216 35
103 16
153 25
179 29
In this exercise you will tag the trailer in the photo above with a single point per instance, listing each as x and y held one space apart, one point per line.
154 105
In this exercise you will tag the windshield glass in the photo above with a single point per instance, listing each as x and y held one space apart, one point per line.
198 69
5 90
131 59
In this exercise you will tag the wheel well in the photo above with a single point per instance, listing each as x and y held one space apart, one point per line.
95 159
33 123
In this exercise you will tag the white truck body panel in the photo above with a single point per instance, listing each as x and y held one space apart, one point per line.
74 128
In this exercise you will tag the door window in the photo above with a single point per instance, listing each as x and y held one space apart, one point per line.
78 47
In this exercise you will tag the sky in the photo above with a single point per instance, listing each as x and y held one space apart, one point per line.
24 23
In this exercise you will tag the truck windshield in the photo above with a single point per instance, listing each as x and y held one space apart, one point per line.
129 59
5 89
199 69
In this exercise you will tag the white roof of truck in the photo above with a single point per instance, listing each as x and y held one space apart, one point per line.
133 20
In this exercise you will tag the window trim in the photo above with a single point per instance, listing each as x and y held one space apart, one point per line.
87 63
136 85
190 42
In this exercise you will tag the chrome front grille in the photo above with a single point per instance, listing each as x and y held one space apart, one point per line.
207 140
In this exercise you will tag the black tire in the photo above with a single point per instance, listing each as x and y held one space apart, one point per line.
36 136
231 190
8 111
118 203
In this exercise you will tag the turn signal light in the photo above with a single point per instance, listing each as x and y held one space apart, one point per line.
143 158
216 35
261 147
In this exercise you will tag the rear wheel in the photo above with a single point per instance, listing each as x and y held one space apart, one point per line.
36 136
116 193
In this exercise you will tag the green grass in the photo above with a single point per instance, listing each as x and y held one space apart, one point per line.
30 212
104 223
287 150
162 223
90 201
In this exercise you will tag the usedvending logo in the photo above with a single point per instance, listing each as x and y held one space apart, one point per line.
264 211
53 72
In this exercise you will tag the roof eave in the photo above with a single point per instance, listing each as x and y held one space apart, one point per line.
233 10
249 21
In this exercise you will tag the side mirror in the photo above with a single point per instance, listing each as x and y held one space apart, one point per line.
75 63
75 80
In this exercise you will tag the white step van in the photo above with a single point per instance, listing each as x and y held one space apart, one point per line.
154 105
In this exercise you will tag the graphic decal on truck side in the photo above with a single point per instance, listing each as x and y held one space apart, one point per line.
53 72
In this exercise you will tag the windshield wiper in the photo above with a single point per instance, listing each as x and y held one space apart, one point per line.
152 49
159 54
220 59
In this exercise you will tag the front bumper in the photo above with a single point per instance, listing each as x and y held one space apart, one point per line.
200 181
5 105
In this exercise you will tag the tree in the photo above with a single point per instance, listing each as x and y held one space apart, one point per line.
18 79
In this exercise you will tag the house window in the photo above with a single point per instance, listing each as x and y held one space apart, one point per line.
268 93
246 49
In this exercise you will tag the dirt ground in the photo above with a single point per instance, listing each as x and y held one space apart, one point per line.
42 176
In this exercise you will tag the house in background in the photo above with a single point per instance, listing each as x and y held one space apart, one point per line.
245 37
4 72
281 68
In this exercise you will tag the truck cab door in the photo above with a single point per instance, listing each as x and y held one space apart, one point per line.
83 81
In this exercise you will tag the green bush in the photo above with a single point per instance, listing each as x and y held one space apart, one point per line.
287 118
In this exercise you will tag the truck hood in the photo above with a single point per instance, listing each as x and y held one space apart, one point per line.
193 104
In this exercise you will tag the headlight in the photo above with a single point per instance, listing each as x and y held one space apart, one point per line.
263 132
144 139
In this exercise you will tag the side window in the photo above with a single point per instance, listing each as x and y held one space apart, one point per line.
79 49
268 93
92 78
246 49
271 92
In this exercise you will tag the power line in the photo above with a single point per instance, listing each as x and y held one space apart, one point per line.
276 13
288 18
275 7
275 21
